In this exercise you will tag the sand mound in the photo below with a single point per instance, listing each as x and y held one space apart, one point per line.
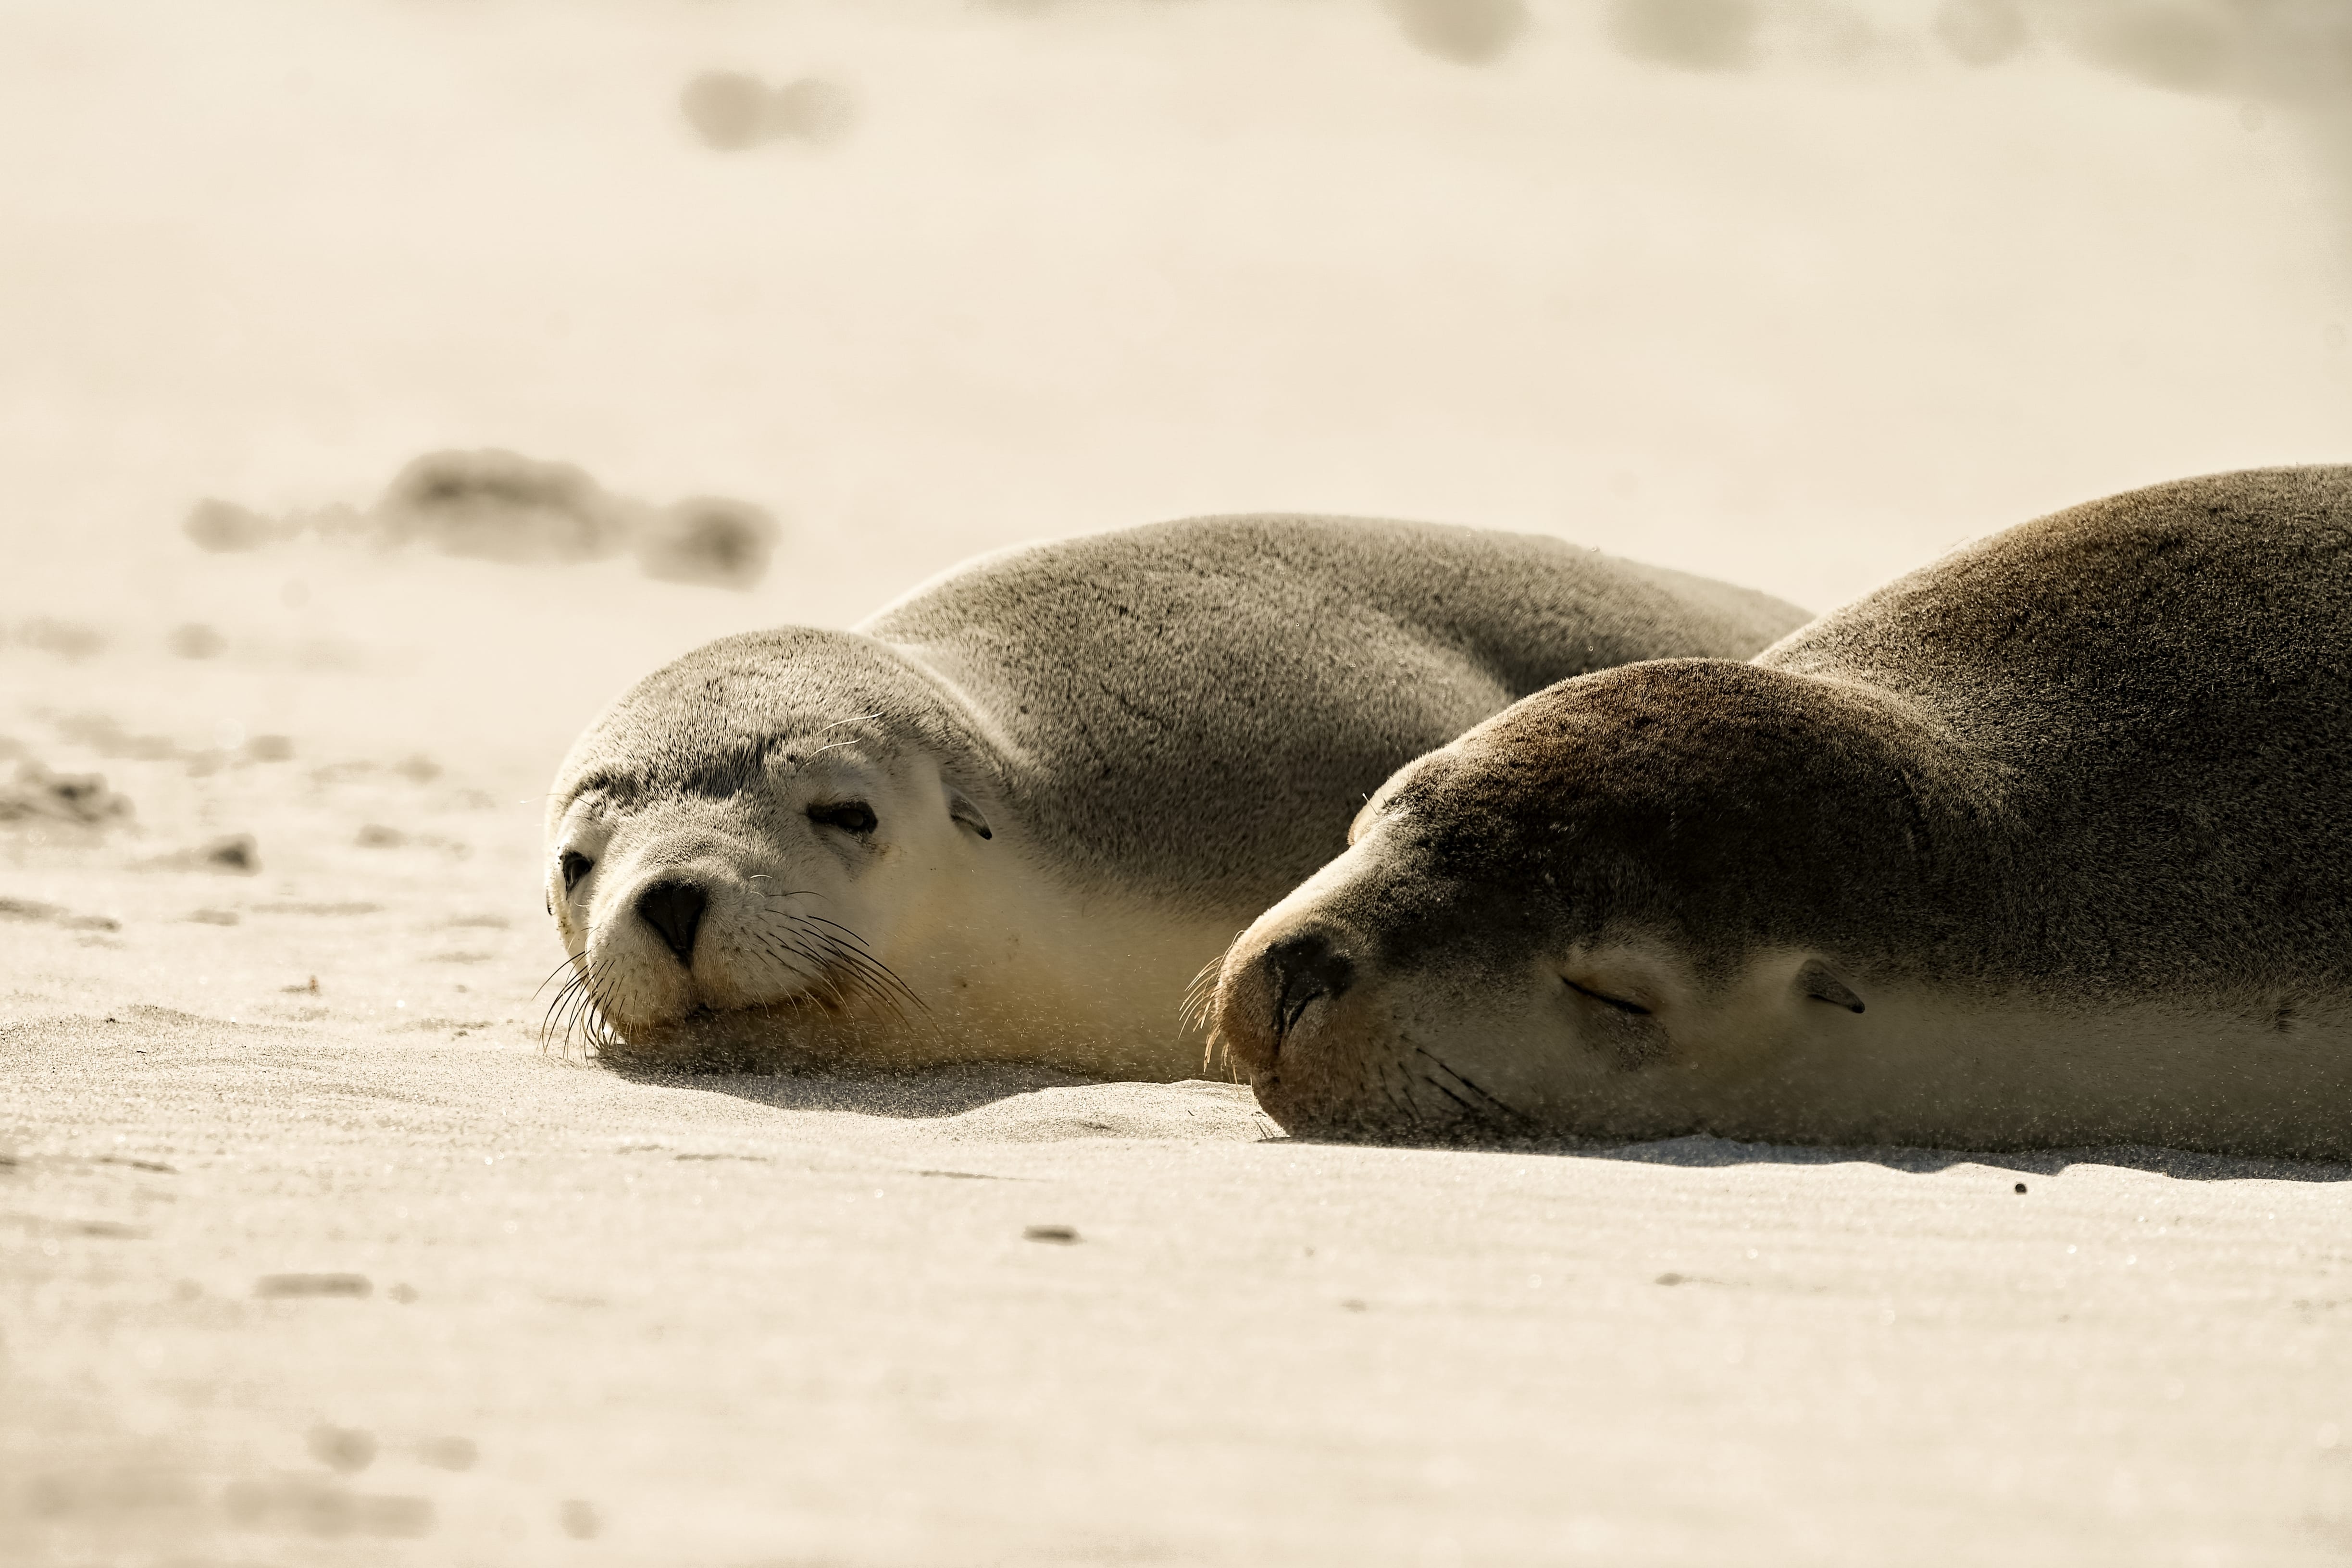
731 111
489 504
81 800
716 542
501 506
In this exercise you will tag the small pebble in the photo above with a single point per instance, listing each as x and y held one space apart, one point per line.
1063 1234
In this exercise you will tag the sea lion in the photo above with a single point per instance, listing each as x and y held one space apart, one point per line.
2049 844
1012 815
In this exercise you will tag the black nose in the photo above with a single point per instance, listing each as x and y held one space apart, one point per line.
674 910
1305 968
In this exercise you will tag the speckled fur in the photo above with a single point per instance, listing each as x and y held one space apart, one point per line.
1196 709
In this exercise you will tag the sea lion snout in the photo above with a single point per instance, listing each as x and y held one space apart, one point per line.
1302 970
674 907
1271 986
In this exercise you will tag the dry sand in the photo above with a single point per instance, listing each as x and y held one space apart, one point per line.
361 1274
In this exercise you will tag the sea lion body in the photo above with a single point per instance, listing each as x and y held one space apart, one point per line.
2048 844
1014 813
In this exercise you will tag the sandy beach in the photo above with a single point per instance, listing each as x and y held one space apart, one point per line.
312 1250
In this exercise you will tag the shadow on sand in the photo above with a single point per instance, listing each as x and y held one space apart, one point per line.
930 1092
1698 1151
940 1093
2180 1164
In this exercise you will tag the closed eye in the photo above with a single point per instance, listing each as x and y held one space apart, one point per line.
853 817
574 866
1617 1002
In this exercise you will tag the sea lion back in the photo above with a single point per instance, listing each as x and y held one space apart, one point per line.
1198 707
2159 684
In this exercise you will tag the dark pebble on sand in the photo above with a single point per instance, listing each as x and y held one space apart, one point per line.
236 853
1061 1234
2020 1186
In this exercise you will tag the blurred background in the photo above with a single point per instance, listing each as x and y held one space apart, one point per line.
1799 292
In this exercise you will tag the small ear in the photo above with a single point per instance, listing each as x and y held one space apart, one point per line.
961 809
1815 981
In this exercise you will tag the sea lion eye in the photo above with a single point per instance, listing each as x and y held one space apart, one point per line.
574 866
1617 1002
849 816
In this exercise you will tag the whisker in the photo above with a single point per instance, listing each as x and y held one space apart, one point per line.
1197 1010
1467 1109
1513 1113
571 961
858 718
851 937
562 995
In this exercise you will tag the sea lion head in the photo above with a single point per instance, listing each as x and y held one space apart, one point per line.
742 851
1593 910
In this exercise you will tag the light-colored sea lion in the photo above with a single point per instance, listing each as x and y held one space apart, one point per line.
1012 815
2048 844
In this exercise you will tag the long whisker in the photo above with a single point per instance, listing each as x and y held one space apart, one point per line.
1199 1011
562 1010
1201 995
561 996
1510 1111
851 951
571 961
